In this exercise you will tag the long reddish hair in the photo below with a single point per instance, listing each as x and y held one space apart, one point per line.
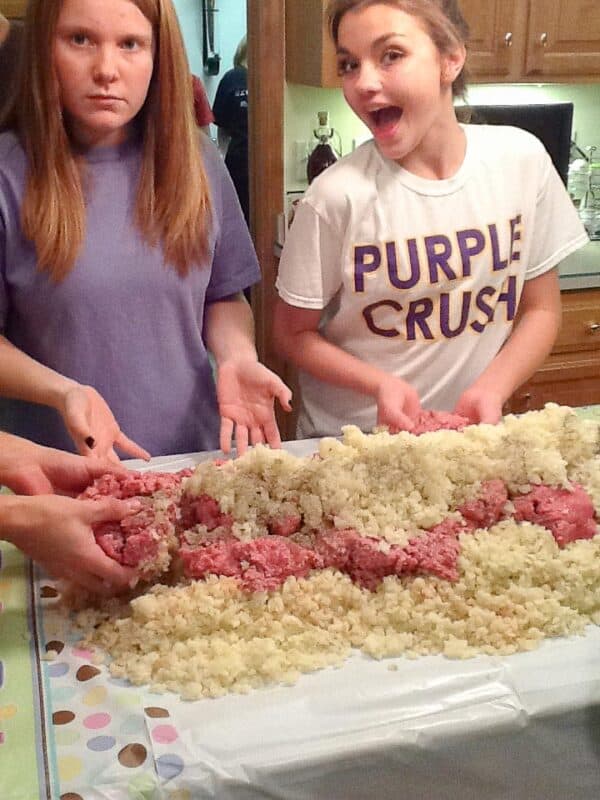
173 204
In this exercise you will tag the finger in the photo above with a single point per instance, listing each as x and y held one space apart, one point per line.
128 446
256 436
272 435
225 434
412 405
241 439
113 576
284 395
97 467
109 508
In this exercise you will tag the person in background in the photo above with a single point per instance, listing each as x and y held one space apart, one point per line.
230 110
202 111
11 38
123 252
420 270
47 523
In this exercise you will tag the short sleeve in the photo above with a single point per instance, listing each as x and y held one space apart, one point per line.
235 266
310 271
3 289
557 229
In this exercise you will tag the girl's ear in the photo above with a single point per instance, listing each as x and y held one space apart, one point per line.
452 63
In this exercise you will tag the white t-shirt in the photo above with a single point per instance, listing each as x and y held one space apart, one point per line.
420 277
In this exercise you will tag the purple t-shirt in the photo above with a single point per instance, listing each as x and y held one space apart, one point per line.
122 320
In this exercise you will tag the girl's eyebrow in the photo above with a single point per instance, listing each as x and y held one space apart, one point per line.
381 40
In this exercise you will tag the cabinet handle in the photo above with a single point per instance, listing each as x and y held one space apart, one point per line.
544 40
508 39
593 327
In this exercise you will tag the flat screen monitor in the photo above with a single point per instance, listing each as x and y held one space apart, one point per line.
551 122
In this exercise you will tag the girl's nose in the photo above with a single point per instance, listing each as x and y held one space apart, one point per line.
368 79
105 66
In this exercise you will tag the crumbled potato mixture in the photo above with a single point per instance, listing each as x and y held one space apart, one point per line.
516 586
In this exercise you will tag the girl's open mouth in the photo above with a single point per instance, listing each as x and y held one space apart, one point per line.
384 120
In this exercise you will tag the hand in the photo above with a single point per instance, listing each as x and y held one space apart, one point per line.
29 468
57 533
92 426
246 391
397 404
480 405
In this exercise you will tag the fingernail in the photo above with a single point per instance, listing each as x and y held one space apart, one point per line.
133 505
91 442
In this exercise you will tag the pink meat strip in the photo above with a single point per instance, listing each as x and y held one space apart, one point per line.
567 514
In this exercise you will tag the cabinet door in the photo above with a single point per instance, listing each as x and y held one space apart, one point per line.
310 54
497 40
564 39
13 8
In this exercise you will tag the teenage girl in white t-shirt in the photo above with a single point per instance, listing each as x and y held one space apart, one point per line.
419 271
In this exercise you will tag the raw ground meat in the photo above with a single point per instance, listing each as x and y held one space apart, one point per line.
567 513
195 529
428 421
142 540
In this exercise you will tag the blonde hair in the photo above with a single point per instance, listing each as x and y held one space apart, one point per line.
443 21
173 206
240 57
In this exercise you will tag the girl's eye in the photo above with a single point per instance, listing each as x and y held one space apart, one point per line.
390 56
346 65
130 44
79 39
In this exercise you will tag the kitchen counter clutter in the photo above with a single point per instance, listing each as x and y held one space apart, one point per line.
581 270
523 726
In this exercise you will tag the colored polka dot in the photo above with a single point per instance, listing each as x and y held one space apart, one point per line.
101 743
79 653
156 712
132 755
164 734
48 591
95 721
63 717
127 700
69 767
8 712
95 696
56 669
143 785
86 673
119 682
62 694
133 724
55 645
64 737
169 766
180 794
71 796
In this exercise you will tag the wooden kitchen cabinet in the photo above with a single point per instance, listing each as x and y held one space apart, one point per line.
309 51
571 374
511 41
13 9
532 40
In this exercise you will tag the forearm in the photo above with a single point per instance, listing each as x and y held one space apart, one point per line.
229 330
311 352
23 378
15 519
525 350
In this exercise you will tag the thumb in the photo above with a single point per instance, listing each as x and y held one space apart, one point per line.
109 508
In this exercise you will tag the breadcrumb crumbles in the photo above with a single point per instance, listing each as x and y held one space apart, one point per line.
515 585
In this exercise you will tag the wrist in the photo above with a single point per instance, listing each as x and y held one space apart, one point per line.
12 519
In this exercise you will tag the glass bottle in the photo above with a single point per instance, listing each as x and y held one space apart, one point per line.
323 155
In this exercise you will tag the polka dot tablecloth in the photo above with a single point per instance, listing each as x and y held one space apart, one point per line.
94 736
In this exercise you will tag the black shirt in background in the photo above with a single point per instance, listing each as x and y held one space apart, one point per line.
230 110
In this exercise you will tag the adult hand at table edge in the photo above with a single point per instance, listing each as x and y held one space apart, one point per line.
93 427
